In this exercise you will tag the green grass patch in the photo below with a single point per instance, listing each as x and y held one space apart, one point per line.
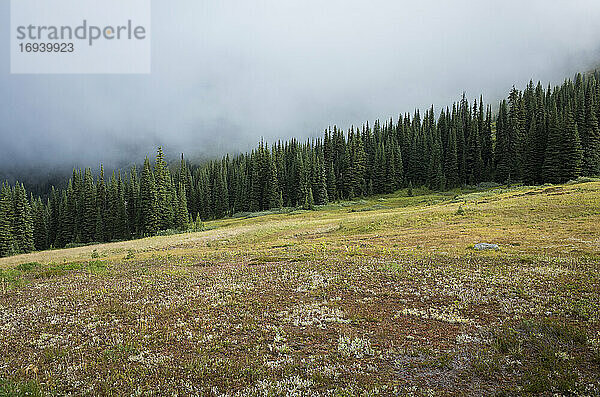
27 272
20 389
545 355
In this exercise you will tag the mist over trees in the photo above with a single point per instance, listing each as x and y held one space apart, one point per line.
538 135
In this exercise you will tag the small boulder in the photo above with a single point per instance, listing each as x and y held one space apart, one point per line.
486 247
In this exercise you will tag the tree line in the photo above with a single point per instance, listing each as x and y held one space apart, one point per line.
537 135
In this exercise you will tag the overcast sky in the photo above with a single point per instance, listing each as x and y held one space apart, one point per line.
226 73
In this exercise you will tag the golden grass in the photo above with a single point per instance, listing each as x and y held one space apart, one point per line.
552 221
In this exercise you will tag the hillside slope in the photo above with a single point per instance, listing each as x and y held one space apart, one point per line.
377 296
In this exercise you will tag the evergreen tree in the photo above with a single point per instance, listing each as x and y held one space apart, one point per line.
133 203
535 141
591 138
182 218
451 161
88 213
163 192
100 232
220 194
398 165
552 160
22 229
7 244
437 180
571 149
148 202
331 182
503 145
487 149
563 152
121 226
321 196
40 225
54 216
272 185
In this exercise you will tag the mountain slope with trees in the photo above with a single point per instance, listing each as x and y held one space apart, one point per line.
538 135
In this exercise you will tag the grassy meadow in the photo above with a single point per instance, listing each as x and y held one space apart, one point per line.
382 296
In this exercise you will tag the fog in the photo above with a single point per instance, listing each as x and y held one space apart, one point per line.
226 73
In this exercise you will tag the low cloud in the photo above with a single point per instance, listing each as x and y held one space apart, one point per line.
226 73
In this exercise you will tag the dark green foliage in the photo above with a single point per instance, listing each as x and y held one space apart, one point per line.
162 178
590 135
563 151
133 203
503 153
182 215
101 206
220 200
320 184
6 216
571 148
89 208
538 135
40 224
515 131
22 229
149 222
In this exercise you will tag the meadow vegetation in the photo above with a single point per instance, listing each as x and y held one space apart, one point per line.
381 296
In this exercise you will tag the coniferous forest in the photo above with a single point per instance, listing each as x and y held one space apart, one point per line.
538 135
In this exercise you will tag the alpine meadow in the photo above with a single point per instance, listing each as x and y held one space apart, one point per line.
450 250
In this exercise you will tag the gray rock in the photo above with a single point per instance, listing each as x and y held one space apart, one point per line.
486 246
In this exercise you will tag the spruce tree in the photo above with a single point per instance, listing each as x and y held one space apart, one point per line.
100 233
121 226
451 161
22 228
148 202
503 154
133 203
437 181
398 165
256 189
88 223
63 235
571 149
563 152
7 243
220 194
162 179
535 141
182 218
272 185
111 219
331 182
40 225
487 148
321 196
591 138
390 168
53 216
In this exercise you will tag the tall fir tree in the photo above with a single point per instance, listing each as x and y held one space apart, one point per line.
162 178
7 243
40 224
22 229
149 222
591 137
88 223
